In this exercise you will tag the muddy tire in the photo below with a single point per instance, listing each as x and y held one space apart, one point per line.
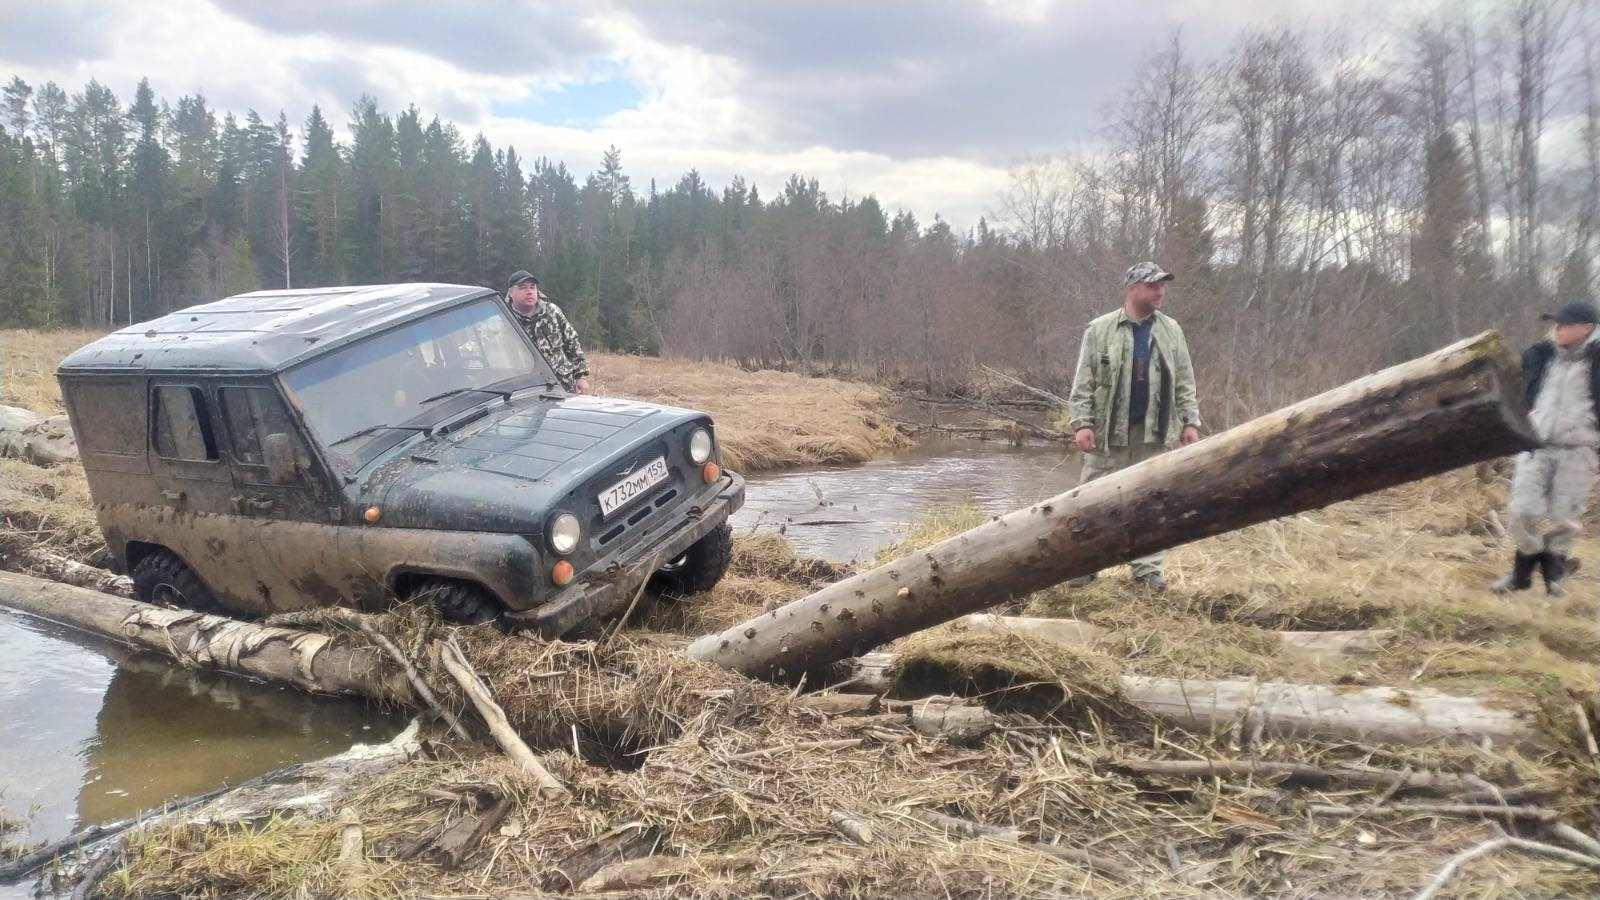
460 602
702 566
165 580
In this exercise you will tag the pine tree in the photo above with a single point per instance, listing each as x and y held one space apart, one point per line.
14 104
239 272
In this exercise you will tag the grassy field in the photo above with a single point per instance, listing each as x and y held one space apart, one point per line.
765 420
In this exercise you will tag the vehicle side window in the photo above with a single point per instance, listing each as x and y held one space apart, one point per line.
252 413
183 424
108 416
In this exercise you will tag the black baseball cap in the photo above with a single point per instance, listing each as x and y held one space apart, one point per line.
519 276
1575 313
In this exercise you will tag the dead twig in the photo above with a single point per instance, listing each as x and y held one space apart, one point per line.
455 662
851 826
354 620
840 744
1037 392
1460 859
1521 813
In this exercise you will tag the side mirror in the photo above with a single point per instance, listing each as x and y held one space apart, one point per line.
278 451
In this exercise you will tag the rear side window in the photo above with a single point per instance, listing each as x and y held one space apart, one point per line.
109 418
183 425
253 413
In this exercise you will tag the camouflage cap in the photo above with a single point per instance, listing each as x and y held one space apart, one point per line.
1145 273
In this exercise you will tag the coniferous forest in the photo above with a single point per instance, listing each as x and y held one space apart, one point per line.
1326 214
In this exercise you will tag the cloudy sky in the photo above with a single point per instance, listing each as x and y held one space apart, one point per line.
923 103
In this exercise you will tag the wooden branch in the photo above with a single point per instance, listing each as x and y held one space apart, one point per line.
1037 392
455 662
851 826
969 828
97 871
626 842
1486 810
1431 889
1295 773
653 871
839 744
363 623
69 571
458 841
833 705
1455 407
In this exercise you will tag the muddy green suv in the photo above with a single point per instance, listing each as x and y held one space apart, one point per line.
353 446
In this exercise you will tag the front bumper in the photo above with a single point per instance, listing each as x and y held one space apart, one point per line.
610 588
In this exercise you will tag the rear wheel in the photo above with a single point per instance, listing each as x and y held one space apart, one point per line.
165 580
460 602
702 566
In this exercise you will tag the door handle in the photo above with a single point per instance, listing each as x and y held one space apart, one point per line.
250 505
173 497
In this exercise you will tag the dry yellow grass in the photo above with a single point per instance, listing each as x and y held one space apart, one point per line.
28 362
765 420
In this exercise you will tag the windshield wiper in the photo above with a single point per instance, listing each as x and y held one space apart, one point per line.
425 429
505 395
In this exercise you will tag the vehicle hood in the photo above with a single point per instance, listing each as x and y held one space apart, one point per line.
504 472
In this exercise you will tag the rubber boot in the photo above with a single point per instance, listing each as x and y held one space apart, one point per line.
1521 577
1553 567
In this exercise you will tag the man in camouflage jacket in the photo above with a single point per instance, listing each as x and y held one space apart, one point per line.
1134 395
552 334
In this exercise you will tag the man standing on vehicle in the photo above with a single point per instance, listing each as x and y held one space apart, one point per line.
552 334
1133 396
1552 484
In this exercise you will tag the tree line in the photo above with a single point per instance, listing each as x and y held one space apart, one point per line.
1329 210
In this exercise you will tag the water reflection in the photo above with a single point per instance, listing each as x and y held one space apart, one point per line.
848 512
92 732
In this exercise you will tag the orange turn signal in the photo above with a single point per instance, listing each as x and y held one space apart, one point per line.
371 515
711 472
561 573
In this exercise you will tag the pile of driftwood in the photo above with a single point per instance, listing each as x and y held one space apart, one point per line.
679 770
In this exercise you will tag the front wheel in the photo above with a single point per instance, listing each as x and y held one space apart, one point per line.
701 566
165 580
459 602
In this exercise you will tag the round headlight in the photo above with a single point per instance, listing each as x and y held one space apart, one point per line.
564 533
699 446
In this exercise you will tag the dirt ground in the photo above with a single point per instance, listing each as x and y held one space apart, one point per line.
724 783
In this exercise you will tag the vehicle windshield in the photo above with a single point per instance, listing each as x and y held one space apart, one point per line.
420 371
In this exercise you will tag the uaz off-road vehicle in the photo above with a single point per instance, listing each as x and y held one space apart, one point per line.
286 449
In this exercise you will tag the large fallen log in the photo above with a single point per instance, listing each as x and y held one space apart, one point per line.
1454 407
1307 645
312 661
41 440
1283 709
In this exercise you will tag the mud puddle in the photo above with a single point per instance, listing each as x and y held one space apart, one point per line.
847 513
90 732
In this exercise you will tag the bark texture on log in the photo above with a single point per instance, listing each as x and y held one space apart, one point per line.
311 661
1454 407
1310 645
41 440
70 571
1410 716
1281 709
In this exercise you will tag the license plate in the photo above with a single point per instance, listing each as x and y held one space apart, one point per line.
633 487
